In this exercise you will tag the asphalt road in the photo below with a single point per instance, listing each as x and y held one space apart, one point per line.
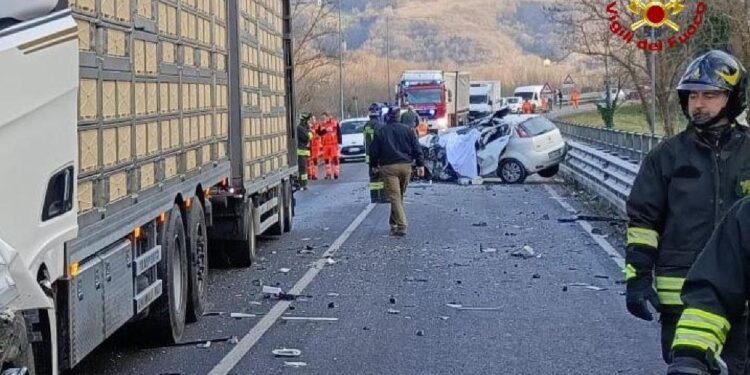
560 311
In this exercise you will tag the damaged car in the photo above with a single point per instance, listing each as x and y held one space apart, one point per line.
512 147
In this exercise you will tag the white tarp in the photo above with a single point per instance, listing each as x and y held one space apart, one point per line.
461 152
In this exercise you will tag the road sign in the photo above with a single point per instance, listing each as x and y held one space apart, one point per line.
568 83
547 89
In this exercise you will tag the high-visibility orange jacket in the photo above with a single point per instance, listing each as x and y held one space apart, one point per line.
527 107
330 133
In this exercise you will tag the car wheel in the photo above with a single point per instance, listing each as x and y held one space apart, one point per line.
550 172
511 171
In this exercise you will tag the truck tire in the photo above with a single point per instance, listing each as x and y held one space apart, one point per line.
197 239
242 253
168 313
279 228
288 207
16 344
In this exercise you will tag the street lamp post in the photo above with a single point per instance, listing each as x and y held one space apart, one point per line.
388 57
341 65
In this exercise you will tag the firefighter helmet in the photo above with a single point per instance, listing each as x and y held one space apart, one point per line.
375 110
716 70
305 116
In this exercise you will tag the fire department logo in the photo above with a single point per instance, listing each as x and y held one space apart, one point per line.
656 15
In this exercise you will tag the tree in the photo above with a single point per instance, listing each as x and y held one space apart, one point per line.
314 25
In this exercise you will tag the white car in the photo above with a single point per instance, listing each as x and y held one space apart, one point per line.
535 147
514 103
353 139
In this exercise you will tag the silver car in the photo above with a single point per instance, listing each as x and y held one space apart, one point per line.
535 147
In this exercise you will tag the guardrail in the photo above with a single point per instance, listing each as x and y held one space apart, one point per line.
600 172
626 145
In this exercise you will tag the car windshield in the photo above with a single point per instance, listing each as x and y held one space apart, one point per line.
478 99
525 95
538 126
353 127
423 96
512 100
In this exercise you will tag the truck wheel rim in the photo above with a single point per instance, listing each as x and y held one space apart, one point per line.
200 257
177 274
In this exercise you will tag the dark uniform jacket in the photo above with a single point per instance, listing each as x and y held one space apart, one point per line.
395 143
682 191
304 136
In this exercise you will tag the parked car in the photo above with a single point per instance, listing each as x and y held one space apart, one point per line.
536 146
620 95
514 103
353 139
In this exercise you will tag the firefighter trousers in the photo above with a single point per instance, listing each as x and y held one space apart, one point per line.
735 348
395 180
302 169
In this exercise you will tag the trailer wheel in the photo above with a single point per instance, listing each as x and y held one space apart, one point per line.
288 207
242 253
169 311
198 261
279 228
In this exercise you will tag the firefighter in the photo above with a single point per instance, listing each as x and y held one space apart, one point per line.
371 127
527 107
304 134
684 187
316 149
330 133
410 118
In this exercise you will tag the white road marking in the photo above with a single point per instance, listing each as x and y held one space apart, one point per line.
251 338
609 249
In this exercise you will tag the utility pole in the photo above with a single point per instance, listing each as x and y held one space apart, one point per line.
388 57
652 59
341 65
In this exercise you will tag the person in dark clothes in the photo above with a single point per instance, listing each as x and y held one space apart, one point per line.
392 152
410 118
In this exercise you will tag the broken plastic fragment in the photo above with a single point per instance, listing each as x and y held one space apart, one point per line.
284 352
295 364
393 311
204 345
284 270
241 315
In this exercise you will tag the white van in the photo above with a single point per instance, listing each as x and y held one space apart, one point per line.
531 93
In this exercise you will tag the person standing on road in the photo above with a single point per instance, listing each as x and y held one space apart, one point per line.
330 133
392 152
315 150
682 191
575 98
304 135
410 118
527 107
559 99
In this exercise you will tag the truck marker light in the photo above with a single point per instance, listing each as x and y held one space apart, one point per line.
74 270
137 233
206 193
162 217
189 203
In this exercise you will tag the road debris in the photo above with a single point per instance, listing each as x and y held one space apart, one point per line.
284 352
311 319
393 311
331 305
284 270
392 300
588 286
527 252
536 276
204 345
420 333
444 317
468 308
601 276
413 279
241 315
295 364
480 224
333 294
276 292
213 313
591 219
330 261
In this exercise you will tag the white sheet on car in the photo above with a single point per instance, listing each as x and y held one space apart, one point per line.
461 152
